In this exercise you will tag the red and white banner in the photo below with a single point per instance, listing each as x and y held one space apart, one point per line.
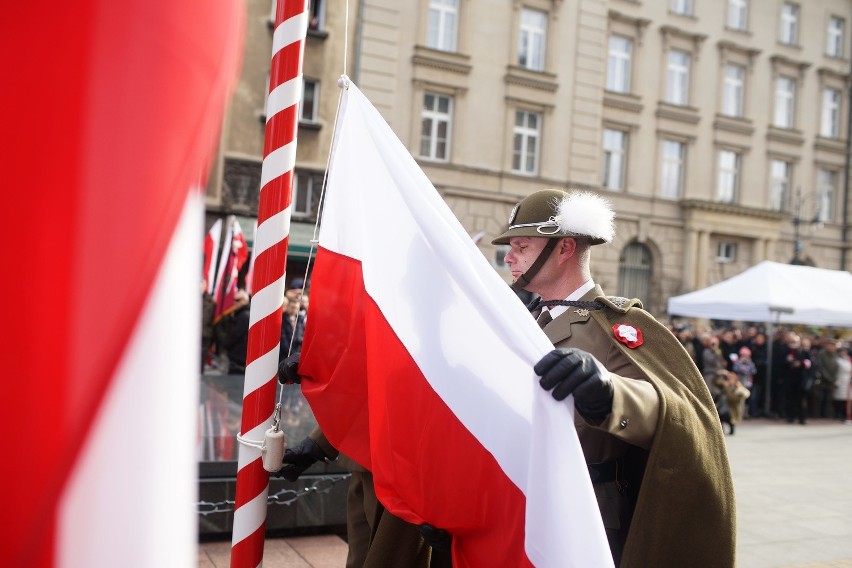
116 115
211 250
418 361
234 256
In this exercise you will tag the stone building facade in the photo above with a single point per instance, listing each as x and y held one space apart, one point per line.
719 129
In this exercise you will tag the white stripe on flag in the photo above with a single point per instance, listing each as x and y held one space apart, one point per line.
144 436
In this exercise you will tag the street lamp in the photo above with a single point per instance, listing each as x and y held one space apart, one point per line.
797 222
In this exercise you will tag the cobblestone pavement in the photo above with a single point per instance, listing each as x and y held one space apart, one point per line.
794 494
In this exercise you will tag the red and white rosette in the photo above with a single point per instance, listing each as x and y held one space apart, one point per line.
628 335
273 229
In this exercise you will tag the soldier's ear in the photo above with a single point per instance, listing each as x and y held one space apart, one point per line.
568 246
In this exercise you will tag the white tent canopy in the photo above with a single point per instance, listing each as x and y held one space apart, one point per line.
774 292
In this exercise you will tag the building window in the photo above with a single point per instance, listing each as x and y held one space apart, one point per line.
789 24
306 195
733 90
443 24
317 21
785 102
310 101
834 41
830 123
738 14
435 126
614 158
533 30
634 273
527 133
826 187
726 252
677 86
728 176
682 7
779 173
671 169
618 66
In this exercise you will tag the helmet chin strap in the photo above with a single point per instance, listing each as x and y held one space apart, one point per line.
524 279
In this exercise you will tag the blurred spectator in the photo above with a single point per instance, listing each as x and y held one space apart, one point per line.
745 370
236 341
800 379
208 309
712 363
842 384
292 328
760 356
826 370
728 346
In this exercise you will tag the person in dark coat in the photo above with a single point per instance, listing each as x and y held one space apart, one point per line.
236 342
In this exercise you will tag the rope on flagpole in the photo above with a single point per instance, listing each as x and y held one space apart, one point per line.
273 218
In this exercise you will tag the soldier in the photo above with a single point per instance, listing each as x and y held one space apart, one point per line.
645 419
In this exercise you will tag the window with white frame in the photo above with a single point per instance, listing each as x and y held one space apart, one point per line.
614 158
525 144
738 14
435 124
785 102
442 27
826 188
310 101
727 177
677 84
306 194
789 24
619 63
834 38
532 38
671 168
733 90
779 188
830 123
726 252
683 7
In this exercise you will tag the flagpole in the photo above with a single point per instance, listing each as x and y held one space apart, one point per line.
273 218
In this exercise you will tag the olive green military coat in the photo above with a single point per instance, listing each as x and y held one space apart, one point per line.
662 415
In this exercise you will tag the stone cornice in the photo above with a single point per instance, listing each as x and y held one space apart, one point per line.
680 113
834 145
785 135
733 124
441 60
623 101
543 81
731 209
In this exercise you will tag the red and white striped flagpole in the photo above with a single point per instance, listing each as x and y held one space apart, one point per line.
273 229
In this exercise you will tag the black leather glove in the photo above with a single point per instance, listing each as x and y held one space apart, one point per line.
298 459
288 370
439 539
574 371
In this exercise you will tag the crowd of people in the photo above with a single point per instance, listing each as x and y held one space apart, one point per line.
797 376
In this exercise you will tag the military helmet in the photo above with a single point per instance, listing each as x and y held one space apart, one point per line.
554 213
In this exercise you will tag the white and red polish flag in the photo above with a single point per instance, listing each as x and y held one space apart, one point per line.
125 103
418 364
237 254
211 248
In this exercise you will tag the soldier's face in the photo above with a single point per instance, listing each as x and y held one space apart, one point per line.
523 251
